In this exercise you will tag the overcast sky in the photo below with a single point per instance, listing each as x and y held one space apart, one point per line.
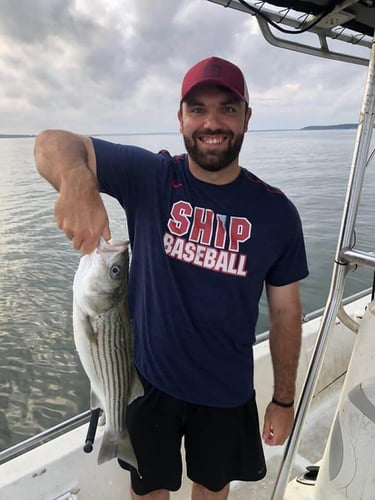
106 66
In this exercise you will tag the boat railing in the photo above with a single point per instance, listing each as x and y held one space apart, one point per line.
261 337
44 436
358 257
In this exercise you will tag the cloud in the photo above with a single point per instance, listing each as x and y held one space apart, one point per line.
99 66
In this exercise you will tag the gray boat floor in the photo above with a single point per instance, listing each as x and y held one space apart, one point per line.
314 436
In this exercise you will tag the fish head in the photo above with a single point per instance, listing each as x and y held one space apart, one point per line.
100 281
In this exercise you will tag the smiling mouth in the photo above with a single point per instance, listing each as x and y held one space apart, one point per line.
213 139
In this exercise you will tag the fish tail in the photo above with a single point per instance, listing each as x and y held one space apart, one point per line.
136 389
117 446
125 450
108 447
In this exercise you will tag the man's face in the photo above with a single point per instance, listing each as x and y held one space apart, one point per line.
213 122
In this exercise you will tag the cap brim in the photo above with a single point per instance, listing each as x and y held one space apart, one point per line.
213 81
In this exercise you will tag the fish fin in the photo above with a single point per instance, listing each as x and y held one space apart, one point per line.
125 450
95 403
117 446
94 400
88 330
108 447
137 389
102 419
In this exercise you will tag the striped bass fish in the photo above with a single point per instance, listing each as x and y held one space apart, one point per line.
104 341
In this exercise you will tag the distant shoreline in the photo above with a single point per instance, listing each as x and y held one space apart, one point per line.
343 126
16 136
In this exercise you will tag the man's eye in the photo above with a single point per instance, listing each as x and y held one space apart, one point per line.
197 110
229 109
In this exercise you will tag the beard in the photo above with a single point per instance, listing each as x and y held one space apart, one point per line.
213 161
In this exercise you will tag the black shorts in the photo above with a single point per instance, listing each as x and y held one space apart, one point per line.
221 444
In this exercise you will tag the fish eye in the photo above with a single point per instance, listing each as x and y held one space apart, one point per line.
115 271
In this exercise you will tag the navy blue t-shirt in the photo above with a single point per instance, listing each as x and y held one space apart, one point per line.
200 256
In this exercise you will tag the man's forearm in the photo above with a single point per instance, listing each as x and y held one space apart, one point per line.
285 338
68 162
285 345
58 155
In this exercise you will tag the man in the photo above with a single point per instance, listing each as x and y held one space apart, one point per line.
206 235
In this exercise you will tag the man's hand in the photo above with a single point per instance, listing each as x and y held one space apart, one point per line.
68 162
277 425
81 214
285 344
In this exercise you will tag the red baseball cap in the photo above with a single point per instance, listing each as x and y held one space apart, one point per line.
218 71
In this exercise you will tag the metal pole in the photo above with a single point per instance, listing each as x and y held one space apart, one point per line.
44 436
340 270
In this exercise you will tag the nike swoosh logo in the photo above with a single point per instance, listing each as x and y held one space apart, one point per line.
176 185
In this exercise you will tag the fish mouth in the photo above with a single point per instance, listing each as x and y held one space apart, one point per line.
112 245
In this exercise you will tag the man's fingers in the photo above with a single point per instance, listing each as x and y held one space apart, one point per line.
106 233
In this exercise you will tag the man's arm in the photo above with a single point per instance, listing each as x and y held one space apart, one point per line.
68 162
285 345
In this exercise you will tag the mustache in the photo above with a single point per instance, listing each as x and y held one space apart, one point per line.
208 131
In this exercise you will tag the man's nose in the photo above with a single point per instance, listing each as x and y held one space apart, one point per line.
212 120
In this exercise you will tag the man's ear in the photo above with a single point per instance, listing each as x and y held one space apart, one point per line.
247 118
179 116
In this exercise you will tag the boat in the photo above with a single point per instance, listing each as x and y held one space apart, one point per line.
330 453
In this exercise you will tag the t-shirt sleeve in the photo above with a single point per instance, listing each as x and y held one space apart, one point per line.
291 266
122 170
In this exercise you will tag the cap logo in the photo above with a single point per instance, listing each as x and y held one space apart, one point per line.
212 71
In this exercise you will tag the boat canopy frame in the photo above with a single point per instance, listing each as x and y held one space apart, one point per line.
350 21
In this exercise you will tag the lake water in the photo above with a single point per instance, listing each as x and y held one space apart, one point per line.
41 379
